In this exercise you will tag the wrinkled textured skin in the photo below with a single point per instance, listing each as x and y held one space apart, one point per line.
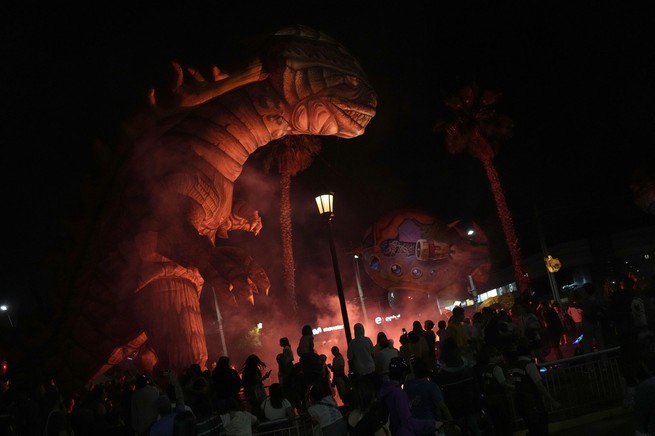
153 247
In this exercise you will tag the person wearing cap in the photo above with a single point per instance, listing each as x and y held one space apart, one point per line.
401 421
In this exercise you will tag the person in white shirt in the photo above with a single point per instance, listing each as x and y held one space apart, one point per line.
325 413
383 359
238 422
276 406
143 405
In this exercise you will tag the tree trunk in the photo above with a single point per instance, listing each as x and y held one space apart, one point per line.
288 270
507 223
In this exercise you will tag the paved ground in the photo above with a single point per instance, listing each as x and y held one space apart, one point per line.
615 422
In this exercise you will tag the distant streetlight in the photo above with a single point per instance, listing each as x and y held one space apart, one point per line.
4 308
326 208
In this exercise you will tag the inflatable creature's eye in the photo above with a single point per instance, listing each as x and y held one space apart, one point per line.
396 269
352 81
416 272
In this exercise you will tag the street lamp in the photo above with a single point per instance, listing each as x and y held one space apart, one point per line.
325 204
4 308
359 287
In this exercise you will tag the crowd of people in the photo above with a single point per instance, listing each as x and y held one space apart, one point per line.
461 378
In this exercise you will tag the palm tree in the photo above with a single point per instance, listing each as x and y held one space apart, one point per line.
477 129
290 154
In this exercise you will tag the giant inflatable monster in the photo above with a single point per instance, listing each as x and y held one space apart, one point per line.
138 277
413 251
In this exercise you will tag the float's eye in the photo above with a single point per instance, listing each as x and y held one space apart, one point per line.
352 81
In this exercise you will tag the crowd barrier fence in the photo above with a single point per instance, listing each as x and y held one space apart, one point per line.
582 385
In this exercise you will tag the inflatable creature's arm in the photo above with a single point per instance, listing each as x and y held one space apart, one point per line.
198 89
243 217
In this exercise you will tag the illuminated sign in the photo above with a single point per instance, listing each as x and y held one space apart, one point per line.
319 330
379 320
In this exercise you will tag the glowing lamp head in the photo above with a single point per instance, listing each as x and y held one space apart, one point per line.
325 204
552 264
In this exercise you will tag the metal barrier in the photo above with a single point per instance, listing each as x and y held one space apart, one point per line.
588 381
582 384
300 426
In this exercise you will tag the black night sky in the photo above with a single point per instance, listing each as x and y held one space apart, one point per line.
578 81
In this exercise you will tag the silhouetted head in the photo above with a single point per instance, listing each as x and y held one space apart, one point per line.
318 391
253 362
359 330
232 405
307 330
458 312
398 369
163 405
421 369
223 362
276 395
284 342
141 381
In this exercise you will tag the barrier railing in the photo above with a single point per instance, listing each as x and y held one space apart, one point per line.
585 381
582 384
301 425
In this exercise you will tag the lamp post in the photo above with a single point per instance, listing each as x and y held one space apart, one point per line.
325 203
542 240
219 320
4 308
359 287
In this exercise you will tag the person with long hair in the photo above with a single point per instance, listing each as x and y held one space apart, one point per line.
277 406
226 381
253 375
